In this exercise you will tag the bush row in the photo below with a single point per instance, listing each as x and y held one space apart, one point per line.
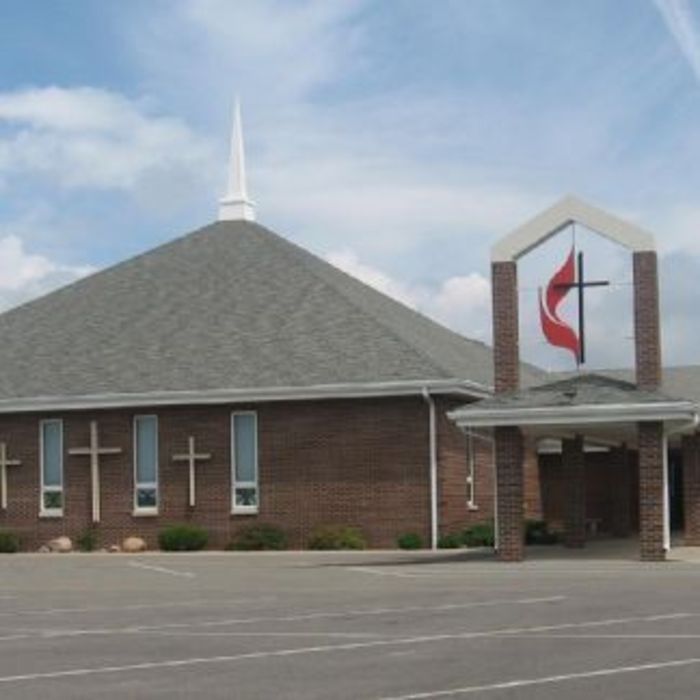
261 537
265 537
483 535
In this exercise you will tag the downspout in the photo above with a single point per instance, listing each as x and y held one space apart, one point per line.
432 433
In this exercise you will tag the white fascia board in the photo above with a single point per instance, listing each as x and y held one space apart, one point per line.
560 415
566 211
252 395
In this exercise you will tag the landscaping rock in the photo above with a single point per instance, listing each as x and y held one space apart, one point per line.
114 549
60 545
133 545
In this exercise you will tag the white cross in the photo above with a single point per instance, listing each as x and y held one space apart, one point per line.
4 464
191 457
94 451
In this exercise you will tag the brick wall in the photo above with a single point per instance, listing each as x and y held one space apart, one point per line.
573 464
455 513
647 329
611 487
506 344
651 496
453 459
691 489
354 462
510 476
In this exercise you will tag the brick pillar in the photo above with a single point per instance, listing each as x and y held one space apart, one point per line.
574 468
647 331
691 490
506 344
509 483
621 506
651 491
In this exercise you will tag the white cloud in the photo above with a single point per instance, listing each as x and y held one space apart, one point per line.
272 51
24 275
347 261
680 21
90 138
462 302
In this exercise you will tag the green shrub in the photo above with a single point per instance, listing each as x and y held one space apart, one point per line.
537 532
337 537
479 535
9 542
410 540
87 540
452 540
259 538
183 538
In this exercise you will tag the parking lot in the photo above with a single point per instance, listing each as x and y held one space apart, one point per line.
357 625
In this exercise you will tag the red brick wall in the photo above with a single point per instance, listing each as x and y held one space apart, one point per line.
453 460
533 482
453 455
354 462
602 483
509 453
506 331
647 329
651 491
691 489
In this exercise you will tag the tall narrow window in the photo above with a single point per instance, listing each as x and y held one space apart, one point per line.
244 460
51 443
146 464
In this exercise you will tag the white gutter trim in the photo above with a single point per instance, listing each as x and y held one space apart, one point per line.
432 432
248 395
562 415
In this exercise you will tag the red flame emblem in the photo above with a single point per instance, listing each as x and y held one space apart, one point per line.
558 332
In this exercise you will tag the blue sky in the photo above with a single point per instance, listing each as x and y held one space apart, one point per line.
398 139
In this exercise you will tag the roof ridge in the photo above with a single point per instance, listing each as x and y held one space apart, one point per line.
305 257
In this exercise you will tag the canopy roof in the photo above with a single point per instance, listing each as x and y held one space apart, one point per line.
575 403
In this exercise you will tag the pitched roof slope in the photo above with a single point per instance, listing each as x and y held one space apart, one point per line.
679 382
229 306
577 390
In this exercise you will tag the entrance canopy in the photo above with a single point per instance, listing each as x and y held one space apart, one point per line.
604 410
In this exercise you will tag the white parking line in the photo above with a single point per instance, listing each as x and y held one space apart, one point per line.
342 635
140 606
468 570
509 685
161 569
304 617
507 633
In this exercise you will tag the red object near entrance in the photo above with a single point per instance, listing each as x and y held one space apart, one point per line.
558 332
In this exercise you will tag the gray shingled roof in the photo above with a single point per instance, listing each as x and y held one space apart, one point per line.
229 306
680 382
578 390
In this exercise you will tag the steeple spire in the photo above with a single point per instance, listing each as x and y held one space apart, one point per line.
235 204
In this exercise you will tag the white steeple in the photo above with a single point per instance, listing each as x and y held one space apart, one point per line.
235 205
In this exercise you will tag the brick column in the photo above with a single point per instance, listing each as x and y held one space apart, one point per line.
647 331
509 483
574 469
691 490
506 344
651 491
621 510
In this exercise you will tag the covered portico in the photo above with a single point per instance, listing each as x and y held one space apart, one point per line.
583 411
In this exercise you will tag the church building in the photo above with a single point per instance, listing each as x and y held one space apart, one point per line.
229 377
